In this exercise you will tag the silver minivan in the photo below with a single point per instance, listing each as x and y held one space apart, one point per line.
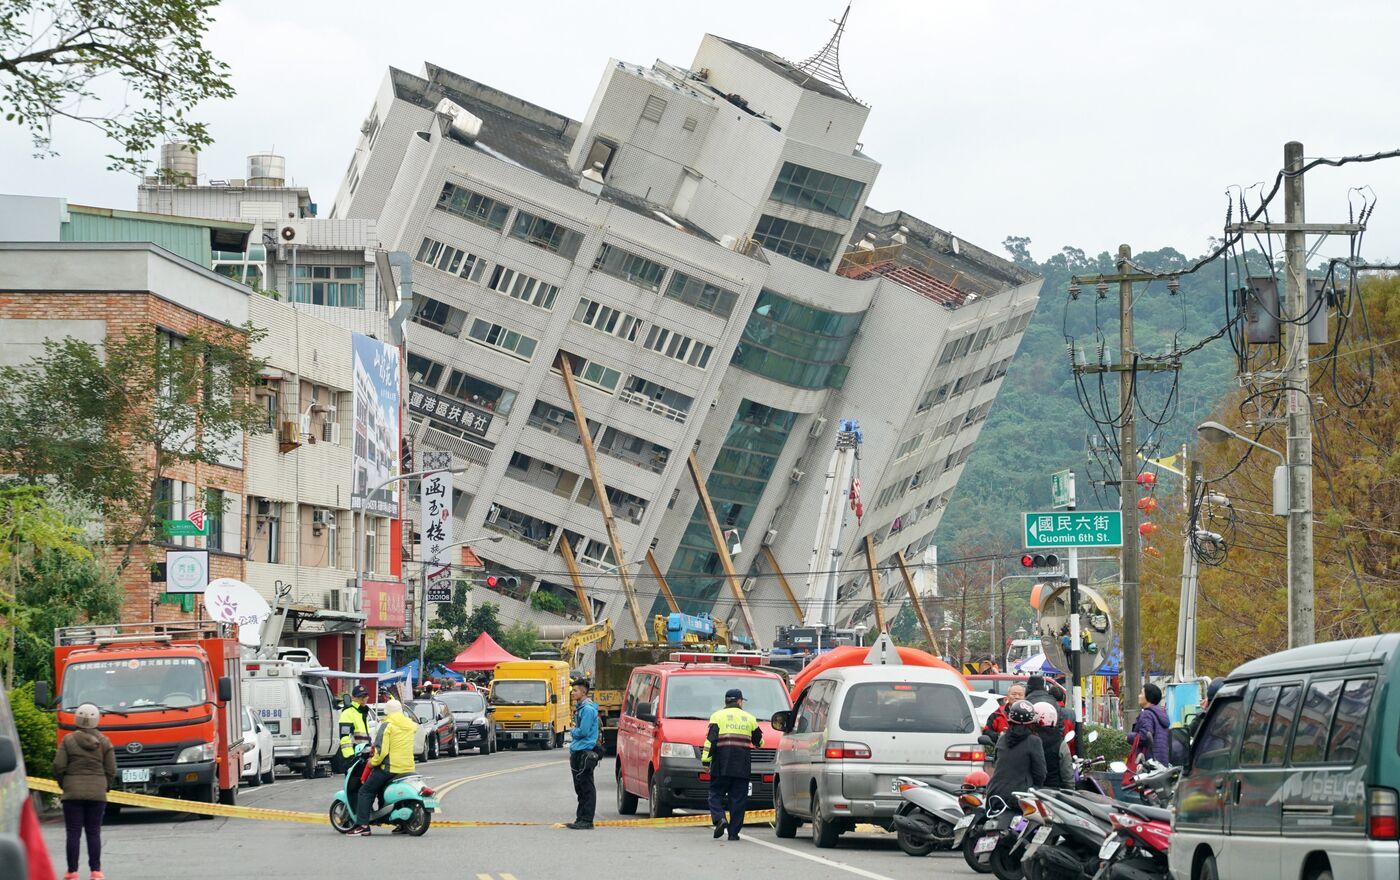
854 731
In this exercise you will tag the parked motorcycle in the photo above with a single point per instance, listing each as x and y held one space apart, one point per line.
407 803
1067 848
1137 847
925 821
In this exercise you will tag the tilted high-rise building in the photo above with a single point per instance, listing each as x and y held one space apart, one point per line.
700 250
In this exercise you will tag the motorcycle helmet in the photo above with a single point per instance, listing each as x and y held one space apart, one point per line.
976 779
1045 715
1021 712
1055 689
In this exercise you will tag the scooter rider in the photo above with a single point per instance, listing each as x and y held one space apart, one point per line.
1020 756
393 756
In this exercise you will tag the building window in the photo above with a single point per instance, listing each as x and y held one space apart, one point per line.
371 130
653 109
701 294
630 267
796 344
546 234
658 399
438 315
499 337
265 530
473 206
677 347
817 190
451 260
329 286
518 285
592 372
479 392
354 175
607 319
909 446
805 244
424 371
689 124
600 156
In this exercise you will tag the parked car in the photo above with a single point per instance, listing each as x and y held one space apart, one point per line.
442 727
21 846
996 683
984 705
855 730
1295 771
475 720
259 762
297 708
420 732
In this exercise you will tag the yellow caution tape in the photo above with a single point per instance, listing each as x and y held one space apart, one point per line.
267 814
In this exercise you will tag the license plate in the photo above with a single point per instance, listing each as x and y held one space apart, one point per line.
1041 835
986 843
136 774
515 734
1109 847
964 822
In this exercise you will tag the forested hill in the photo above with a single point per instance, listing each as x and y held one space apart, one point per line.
1038 424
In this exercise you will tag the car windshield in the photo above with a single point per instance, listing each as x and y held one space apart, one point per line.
904 707
518 693
135 685
699 695
464 702
424 711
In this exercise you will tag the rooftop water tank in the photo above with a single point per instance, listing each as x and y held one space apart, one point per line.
267 169
179 163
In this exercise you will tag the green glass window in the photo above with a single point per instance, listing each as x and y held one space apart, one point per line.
630 267
701 294
806 244
472 206
546 234
329 285
817 190
796 344
746 462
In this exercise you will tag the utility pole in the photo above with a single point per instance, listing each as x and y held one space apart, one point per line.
1128 492
1301 629
1190 572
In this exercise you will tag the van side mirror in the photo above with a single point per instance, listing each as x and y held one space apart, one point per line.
13 859
9 755
782 721
225 689
554 698
645 712
43 696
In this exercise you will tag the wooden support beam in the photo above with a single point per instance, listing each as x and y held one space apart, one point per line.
874 583
661 582
717 536
917 603
783 582
572 565
601 493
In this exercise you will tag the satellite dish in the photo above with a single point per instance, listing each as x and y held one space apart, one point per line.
228 600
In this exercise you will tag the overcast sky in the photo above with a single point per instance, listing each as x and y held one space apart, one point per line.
1074 123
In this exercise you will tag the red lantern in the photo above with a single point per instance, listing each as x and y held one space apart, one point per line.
1147 504
1147 479
1146 529
1153 552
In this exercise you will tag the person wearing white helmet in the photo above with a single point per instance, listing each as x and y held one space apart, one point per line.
1059 767
85 767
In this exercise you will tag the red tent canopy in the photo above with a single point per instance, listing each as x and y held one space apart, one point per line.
851 655
483 653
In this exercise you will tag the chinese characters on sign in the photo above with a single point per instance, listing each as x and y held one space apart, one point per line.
1081 528
436 523
453 412
376 418
384 605
376 644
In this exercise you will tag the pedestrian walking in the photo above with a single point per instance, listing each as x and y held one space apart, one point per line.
728 756
85 767
583 755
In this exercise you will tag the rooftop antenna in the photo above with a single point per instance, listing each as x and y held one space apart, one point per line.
826 64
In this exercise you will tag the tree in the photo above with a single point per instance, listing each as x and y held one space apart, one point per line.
440 652
453 616
60 589
102 426
133 69
483 619
521 639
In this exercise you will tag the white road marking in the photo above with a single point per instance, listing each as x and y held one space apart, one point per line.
840 866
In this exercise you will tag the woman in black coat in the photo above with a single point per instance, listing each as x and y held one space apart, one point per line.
1020 762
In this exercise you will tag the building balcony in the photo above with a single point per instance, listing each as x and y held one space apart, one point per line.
654 406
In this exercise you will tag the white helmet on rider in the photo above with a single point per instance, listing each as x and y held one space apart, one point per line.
1045 715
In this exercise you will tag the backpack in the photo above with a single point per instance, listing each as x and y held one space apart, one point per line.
1179 746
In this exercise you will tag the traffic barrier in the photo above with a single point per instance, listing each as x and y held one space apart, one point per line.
268 814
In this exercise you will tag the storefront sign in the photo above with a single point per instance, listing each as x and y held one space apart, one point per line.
446 409
384 604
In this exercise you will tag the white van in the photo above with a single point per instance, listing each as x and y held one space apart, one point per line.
297 708
854 730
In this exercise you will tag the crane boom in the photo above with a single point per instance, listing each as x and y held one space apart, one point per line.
823 575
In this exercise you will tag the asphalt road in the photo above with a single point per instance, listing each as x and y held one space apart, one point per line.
528 786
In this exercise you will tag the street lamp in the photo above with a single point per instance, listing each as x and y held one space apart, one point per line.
1216 433
423 603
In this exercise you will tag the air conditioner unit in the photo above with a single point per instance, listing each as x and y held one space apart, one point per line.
366 125
288 433
292 233
493 514
770 537
305 423
320 516
349 599
796 475
264 509
818 425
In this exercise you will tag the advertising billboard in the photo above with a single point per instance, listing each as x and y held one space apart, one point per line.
384 605
377 399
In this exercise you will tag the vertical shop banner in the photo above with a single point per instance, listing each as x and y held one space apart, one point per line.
376 411
436 523
376 644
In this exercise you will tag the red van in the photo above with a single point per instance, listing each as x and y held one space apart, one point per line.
665 716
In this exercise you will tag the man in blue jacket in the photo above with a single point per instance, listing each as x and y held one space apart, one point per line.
583 755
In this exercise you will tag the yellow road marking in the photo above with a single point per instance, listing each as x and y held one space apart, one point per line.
507 877
442 792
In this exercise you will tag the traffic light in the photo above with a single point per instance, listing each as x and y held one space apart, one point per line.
1040 560
502 581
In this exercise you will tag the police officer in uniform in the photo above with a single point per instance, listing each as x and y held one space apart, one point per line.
351 725
733 736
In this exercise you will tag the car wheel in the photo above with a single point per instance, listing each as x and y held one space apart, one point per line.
626 801
227 796
657 805
784 823
308 768
824 832
271 775
456 749
1208 871
433 749
255 780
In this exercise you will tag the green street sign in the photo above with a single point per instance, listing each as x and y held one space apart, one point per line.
1062 489
1074 528
183 528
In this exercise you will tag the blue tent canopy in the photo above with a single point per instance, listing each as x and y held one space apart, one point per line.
407 671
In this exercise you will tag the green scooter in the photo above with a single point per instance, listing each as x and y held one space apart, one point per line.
407 803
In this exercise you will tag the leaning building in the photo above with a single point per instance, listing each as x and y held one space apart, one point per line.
698 250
